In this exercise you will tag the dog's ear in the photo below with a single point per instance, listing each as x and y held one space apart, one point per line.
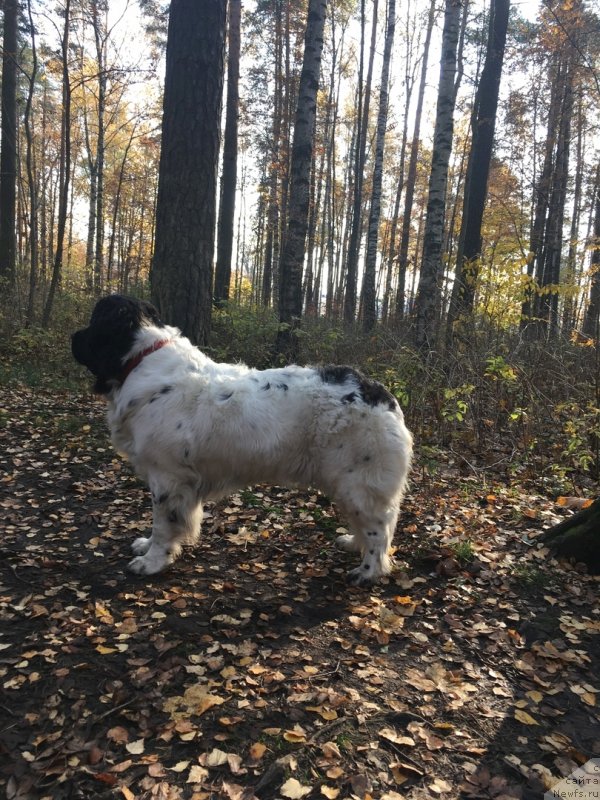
80 347
150 313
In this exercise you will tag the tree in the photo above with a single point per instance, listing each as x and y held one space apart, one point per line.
181 274
293 252
411 177
369 307
592 314
578 537
8 143
428 293
360 146
230 147
64 171
483 123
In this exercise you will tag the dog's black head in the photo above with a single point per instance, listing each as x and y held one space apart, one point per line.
103 345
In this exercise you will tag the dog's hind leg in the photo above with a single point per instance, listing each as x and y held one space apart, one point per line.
177 516
372 523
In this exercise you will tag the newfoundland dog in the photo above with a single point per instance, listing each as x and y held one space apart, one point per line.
196 430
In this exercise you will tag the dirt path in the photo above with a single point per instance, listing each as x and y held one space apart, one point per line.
251 668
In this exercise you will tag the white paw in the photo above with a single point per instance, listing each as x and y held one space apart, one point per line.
141 546
145 565
349 543
360 577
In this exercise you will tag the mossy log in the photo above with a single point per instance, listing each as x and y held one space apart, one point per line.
578 537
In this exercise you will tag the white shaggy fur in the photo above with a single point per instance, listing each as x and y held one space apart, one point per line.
195 430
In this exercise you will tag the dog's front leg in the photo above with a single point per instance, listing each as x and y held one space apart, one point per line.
176 520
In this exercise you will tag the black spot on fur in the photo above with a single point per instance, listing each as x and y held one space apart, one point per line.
178 426
173 516
372 552
186 452
133 402
266 387
153 398
371 392
367 458
164 496
166 389
283 386
349 398
225 397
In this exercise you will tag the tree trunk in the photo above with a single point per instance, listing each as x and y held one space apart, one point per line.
428 293
592 314
100 40
578 537
362 123
480 156
230 145
412 172
181 276
369 306
31 178
8 144
64 170
292 255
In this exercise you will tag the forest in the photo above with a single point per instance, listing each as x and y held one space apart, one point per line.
408 187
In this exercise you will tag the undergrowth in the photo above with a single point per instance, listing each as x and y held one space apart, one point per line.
528 411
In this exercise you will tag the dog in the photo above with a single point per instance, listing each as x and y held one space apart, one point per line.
195 430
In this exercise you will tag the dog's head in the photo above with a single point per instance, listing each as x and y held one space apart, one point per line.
110 336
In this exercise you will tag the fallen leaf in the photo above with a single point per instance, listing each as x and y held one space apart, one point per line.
135 748
294 789
525 718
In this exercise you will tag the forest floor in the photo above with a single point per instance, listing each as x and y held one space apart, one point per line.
250 668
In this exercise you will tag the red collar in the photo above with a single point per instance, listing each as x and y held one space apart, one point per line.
133 362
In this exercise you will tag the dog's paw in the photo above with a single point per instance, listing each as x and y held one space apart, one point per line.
348 542
141 546
358 577
142 565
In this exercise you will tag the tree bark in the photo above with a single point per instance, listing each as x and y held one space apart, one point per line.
369 305
8 144
480 156
64 170
592 314
428 293
31 178
362 123
293 252
578 537
230 146
181 276
412 172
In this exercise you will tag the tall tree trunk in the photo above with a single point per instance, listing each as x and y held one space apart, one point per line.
230 145
64 170
181 276
548 272
542 199
412 172
100 40
369 306
429 292
292 255
362 122
480 156
8 144
570 279
31 178
592 315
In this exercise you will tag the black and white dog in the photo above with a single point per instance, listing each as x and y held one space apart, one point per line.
196 430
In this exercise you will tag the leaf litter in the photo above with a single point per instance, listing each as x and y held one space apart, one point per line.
250 669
